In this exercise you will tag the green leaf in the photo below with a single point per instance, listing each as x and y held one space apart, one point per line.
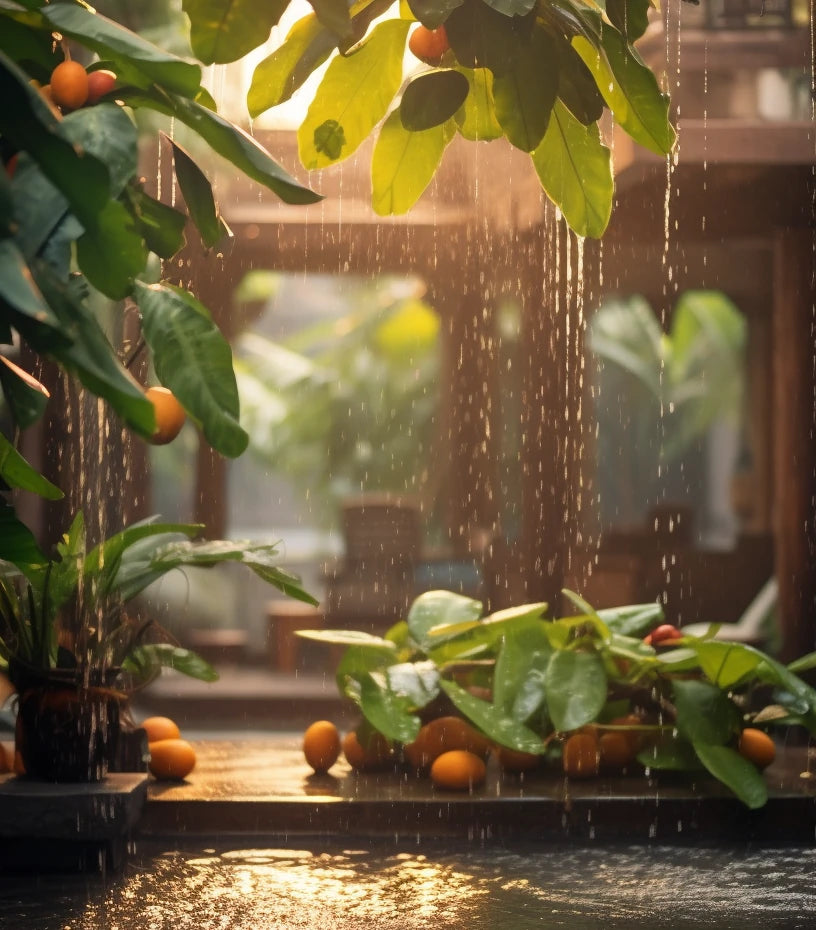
518 679
738 774
512 7
803 664
404 163
229 141
704 713
633 619
146 661
161 227
576 86
222 31
355 663
355 93
334 15
670 753
280 74
17 543
27 42
90 356
386 711
111 251
630 90
194 361
576 688
575 170
17 473
482 37
524 93
119 45
432 99
772 672
348 638
492 721
26 397
19 292
198 195
416 681
433 13
629 17
726 664
477 117
106 132
439 608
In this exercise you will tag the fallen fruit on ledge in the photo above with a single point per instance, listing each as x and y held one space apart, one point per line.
171 759
321 745
159 728
458 770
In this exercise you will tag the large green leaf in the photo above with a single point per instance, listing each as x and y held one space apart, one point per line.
17 473
90 356
111 252
280 74
704 713
726 664
19 293
417 681
229 141
493 721
525 91
17 543
386 711
633 619
575 170
433 13
738 774
477 117
432 99
439 608
404 163
575 684
108 133
25 396
482 37
222 31
26 42
145 662
353 96
629 88
334 14
512 7
629 17
576 86
161 226
198 195
116 43
357 661
194 361
518 679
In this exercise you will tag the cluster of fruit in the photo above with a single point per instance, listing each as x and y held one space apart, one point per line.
454 753
171 757
71 86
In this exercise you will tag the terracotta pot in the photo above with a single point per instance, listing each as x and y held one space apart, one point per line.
67 730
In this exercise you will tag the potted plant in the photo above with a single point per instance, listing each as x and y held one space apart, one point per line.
72 650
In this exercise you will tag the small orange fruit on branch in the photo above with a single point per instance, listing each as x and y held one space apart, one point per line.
69 85
170 415
429 45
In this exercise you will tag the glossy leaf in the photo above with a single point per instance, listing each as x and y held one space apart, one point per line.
25 396
334 15
575 170
803 664
670 753
726 664
482 37
386 711
161 226
198 195
417 681
433 13
512 7
354 94
439 608
576 86
432 99
118 44
194 361
704 713
632 620
111 251
518 679
524 92
21 295
108 133
348 638
25 42
280 74
493 721
404 163
146 661
476 118
17 473
629 17
222 31
576 688
630 90
738 774
17 543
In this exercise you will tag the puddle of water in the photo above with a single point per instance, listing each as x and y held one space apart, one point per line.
399 887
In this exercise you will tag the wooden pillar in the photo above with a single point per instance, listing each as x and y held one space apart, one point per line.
794 438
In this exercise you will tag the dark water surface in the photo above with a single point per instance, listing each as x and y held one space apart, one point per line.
399 886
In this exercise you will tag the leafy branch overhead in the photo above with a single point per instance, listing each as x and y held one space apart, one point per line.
540 74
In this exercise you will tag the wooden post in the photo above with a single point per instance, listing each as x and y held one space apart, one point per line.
794 438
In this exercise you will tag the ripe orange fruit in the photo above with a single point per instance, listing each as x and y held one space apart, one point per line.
159 728
69 85
374 754
615 749
756 746
100 83
429 45
458 770
171 759
580 755
513 761
321 745
170 415
662 635
442 735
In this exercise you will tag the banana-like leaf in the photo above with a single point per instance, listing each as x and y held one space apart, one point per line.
222 31
17 473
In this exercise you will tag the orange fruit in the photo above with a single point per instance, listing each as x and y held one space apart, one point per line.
159 728
580 755
458 770
615 749
442 735
429 45
100 83
756 746
511 760
69 85
664 635
170 415
321 745
375 753
171 759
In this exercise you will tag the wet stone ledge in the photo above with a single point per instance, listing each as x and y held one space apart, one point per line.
265 787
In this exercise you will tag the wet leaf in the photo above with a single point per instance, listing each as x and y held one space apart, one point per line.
432 98
736 773
417 681
161 226
575 169
512 7
334 15
439 608
111 251
386 711
576 688
222 31
17 473
146 661
632 620
576 86
21 295
25 396
477 117
670 753
17 543
354 94
629 17
492 721
704 713
433 13
198 195
482 37
726 664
